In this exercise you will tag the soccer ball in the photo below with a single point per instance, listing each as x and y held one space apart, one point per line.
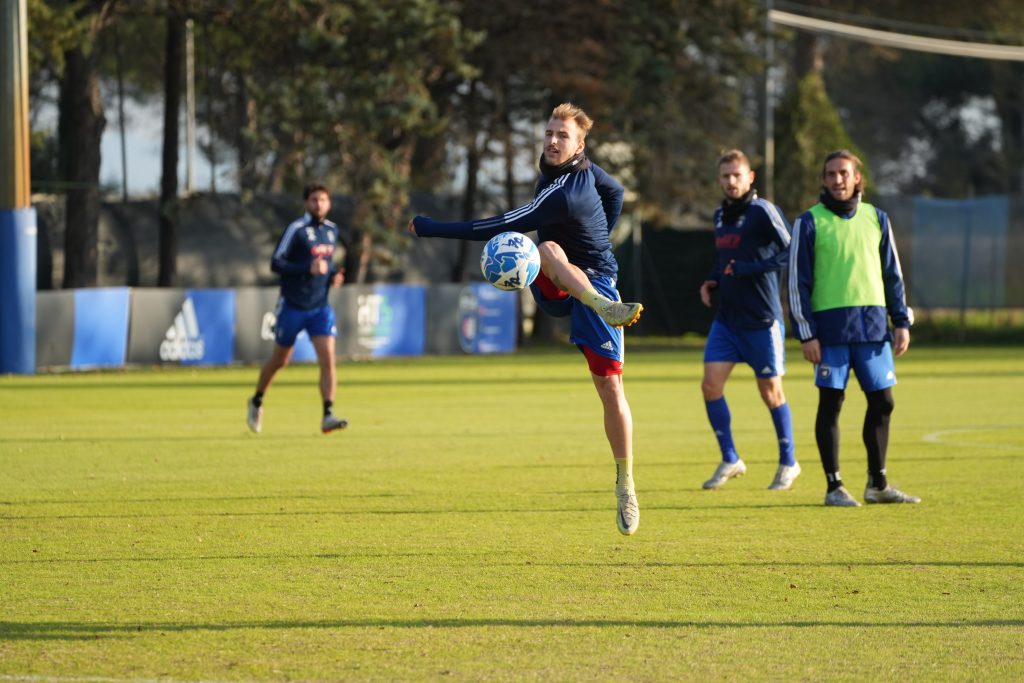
510 261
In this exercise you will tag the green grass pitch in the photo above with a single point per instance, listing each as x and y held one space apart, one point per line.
463 528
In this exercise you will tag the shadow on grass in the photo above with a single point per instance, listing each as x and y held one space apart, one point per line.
411 512
90 631
447 554
245 385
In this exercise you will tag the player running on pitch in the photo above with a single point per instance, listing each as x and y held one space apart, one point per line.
303 259
752 244
574 210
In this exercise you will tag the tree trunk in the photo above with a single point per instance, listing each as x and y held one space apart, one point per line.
169 205
510 152
247 179
80 130
458 273
807 56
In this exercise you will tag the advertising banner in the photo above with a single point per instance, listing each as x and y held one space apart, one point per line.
472 318
488 319
255 317
55 328
389 320
192 327
18 233
100 327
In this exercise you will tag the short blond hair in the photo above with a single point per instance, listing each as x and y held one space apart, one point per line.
731 155
567 110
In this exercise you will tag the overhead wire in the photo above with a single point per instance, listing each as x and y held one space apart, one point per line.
905 41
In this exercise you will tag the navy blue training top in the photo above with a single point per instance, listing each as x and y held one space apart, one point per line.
576 210
759 244
304 240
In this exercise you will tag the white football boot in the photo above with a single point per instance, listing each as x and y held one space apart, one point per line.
724 472
890 494
332 423
254 417
619 314
841 498
628 517
784 477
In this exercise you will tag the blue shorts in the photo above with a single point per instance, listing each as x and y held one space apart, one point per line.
587 329
318 322
872 362
763 350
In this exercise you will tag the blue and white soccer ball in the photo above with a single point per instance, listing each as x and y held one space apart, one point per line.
510 261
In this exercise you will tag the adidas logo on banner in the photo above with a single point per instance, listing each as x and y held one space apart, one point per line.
183 341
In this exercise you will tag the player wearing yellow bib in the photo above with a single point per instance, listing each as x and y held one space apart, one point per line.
845 283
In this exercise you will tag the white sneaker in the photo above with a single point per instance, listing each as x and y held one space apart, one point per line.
618 314
254 416
784 477
628 518
725 472
841 498
890 494
332 423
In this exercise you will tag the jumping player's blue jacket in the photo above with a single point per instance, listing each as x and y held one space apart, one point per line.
758 243
577 210
304 240
848 324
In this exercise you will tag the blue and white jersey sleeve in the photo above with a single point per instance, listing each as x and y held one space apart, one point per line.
774 255
290 256
801 277
548 207
892 275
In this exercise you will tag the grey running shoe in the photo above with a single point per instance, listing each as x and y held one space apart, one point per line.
254 417
618 314
628 517
784 477
890 494
332 423
725 472
841 498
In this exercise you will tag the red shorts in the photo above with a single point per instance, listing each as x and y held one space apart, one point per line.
600 365
549 289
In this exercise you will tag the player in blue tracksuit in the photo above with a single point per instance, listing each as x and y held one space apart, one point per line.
844 281
574 211
752 244
304 258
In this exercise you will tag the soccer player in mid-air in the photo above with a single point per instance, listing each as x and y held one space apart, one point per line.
574 210
304 260
752 245
845 282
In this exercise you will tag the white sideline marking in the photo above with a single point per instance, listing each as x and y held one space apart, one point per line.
940 437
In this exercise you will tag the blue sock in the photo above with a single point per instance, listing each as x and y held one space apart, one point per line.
721 422
783 420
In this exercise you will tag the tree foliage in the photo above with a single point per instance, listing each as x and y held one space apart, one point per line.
371 96
809 128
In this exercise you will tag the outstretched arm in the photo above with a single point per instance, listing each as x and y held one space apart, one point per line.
549 206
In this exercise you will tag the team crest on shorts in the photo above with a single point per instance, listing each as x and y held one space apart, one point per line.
824 371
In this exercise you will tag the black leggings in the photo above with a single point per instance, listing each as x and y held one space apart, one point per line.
875 433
